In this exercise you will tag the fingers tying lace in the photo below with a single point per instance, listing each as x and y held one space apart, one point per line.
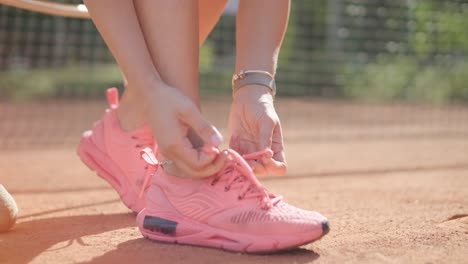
236 174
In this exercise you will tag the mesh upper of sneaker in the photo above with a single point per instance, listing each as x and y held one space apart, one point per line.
123 147
234 200
282 218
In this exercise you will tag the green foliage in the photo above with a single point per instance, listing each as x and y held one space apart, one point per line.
206 57
215 83
441 83
402 78
380 80
65 81
438 26
432 69
83 82
364 64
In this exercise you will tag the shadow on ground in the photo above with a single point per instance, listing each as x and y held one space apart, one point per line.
33 238
142 250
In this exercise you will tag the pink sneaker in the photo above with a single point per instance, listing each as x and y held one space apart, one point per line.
115 154
230 210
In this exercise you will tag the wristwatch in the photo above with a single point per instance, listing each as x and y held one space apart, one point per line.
249 77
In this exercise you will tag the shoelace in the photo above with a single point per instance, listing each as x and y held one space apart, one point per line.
148 155
146 141
237 173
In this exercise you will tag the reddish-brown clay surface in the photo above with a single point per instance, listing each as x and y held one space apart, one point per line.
393 182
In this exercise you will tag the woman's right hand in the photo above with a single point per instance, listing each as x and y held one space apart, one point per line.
177 125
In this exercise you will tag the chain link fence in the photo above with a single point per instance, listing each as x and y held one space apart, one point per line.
396 64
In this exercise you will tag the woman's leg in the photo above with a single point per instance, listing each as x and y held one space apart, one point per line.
168 111
125 40
209 13
172 32
170 29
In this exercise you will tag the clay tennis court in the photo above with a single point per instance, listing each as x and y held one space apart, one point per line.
393 181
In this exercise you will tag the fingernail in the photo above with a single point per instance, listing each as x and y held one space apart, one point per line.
210 149
216 139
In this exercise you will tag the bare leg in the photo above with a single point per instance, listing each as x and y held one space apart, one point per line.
167 110
209 13
137 64
170 28
171 31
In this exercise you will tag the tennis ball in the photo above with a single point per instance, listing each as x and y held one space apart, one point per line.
8 210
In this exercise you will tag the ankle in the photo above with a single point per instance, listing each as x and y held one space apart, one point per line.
130 112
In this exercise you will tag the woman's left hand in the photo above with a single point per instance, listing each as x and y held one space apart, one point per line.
255 126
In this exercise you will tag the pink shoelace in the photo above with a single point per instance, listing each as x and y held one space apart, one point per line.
153 165
236 173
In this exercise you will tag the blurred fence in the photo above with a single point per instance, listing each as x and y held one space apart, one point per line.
408 52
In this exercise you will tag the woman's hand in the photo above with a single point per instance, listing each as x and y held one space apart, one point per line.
182 132
255 126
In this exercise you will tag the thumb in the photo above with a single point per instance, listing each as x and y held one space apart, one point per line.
204 129
265 135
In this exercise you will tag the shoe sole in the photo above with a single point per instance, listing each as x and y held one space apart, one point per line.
198 234
105 167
